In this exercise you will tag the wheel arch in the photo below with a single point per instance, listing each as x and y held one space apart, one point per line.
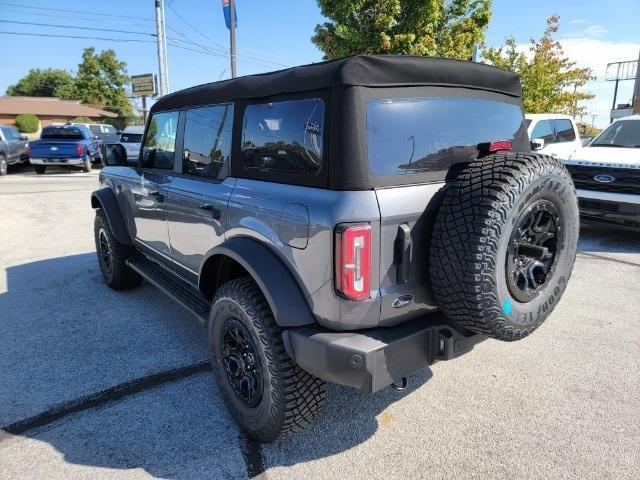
105 199
241 256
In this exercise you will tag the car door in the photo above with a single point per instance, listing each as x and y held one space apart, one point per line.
12 138
544 130
149 194
566 138
200 191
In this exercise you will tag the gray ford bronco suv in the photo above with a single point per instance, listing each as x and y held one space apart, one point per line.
351 221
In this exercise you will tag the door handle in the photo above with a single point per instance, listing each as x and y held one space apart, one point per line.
402 253
215 212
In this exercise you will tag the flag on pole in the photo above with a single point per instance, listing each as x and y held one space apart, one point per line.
227 14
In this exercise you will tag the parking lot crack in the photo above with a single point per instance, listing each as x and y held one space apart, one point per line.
103 397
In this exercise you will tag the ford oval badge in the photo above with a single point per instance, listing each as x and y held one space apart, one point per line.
604 178
402 301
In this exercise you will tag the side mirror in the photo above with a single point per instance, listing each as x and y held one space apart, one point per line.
537 144
96 137
113 155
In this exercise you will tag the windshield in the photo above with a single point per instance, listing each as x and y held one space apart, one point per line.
62 134
623 133
131 138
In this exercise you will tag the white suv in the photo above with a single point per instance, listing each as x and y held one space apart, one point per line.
553 134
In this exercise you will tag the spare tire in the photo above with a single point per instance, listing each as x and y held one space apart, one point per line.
504 244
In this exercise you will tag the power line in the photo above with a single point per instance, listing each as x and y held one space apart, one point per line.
83 12
30 34
77 28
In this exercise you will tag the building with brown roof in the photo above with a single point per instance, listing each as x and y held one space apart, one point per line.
48 109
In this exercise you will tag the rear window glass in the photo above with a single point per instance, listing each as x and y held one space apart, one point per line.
412 135
95 129
131 137
284 136
62 134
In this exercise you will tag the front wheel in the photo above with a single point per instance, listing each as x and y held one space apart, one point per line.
267 394
504 244
40 169
112 256
3 165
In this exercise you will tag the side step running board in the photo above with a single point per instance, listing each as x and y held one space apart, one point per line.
180 290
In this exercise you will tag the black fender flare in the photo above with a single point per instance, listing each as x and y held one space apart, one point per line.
105 199
287 302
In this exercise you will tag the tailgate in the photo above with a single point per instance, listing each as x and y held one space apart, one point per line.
51 149
407 216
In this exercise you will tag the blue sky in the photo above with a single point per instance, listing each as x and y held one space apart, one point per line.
272 34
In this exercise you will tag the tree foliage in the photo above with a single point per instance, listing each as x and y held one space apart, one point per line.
50 82
448 28
27 123
551 83
100 82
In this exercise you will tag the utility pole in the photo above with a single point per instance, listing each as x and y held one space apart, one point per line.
635 101
232 35
162 48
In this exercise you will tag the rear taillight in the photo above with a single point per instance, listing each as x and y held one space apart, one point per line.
79 150
353 261
491 147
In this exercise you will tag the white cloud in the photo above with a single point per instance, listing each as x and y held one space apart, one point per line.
591 31
595 54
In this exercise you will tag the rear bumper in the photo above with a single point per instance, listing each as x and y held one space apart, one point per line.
622 210
56 161
372 359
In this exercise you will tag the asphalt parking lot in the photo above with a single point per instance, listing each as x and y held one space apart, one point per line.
99 384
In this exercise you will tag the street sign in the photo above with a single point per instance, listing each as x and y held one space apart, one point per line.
226 10
143 85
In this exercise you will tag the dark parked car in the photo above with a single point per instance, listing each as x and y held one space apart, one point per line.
350 221
13 148
64 146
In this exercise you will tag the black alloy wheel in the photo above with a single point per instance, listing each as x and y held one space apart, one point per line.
532 250
105 252
241 362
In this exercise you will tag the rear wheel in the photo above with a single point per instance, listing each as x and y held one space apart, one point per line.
86 166
40 169
112 256
267 394
504 244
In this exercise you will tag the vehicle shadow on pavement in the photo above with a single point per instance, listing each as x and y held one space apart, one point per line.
596 238
64 336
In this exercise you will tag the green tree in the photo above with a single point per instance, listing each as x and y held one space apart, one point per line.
551 83
448 28
50 82
100 82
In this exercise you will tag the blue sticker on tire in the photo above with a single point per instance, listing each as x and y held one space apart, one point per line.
506 307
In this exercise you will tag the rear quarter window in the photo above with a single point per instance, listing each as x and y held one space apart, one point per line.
413 135
62 134
284 137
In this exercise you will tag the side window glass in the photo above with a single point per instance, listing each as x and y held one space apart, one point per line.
160 141
543 130
207 140
284 136
565 131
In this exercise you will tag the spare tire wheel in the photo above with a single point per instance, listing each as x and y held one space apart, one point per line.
504 244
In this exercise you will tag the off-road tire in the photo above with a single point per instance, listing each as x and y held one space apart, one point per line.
473 235
291 397
118 275
40 169
3 165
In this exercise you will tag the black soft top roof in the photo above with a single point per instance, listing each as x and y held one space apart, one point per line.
364 70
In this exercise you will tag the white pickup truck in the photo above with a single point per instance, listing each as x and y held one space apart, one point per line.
553 134
606 174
